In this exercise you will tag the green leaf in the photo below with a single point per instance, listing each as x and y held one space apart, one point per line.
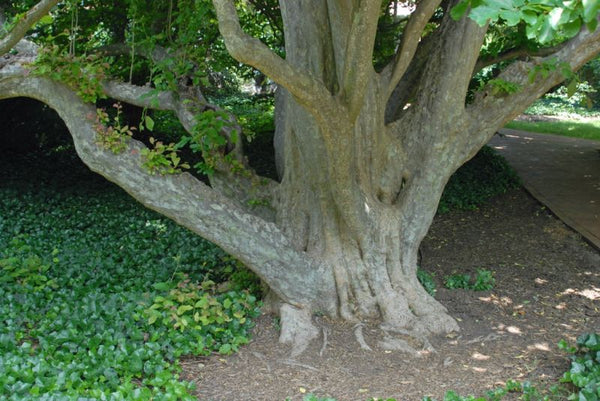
149 123
590 10
529 17
459 10
556 16
481 15
571 28
202 303
511 17
46 20
184 308
592 25
225 349
572 88
164 286
590 341
546 33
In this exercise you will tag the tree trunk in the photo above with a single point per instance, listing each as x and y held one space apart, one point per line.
347 210
345 201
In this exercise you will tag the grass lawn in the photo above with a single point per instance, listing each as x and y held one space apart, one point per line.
579 129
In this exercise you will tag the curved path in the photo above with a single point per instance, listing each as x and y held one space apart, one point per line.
562 173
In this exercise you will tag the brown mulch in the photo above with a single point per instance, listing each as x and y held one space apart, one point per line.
547 288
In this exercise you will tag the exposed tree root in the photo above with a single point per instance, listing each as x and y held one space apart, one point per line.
297 328
397 344
482 339
393 343
291 362
262 358
360 338
325 334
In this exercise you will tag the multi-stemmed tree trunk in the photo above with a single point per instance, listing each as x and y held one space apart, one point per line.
363 157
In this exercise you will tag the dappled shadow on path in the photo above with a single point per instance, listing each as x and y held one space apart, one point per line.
562 173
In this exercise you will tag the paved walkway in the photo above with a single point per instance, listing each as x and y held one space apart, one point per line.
562 173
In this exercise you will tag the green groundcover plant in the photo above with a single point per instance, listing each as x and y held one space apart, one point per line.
584 373
100 297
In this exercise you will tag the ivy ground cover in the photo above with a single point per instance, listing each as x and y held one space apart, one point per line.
99 296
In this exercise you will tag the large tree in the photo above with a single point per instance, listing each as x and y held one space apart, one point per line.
363 153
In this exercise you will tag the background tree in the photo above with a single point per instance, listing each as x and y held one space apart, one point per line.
365 140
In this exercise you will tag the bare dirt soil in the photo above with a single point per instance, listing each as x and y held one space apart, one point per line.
547 288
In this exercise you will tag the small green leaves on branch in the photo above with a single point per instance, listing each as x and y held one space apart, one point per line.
548 66
162 159
83 74
111 135
546 20
207 139
500 87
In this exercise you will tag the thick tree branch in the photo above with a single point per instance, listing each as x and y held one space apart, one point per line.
144 96
246 189
512 54
307 90
410 40
183 198
448 69
339 17
20 29
358 64
406 90
155 53
490 112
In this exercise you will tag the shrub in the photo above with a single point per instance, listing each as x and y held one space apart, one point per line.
198 320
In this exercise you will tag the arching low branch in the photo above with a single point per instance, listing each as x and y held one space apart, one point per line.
183 198
253 193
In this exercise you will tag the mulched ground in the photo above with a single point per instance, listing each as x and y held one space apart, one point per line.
547 288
